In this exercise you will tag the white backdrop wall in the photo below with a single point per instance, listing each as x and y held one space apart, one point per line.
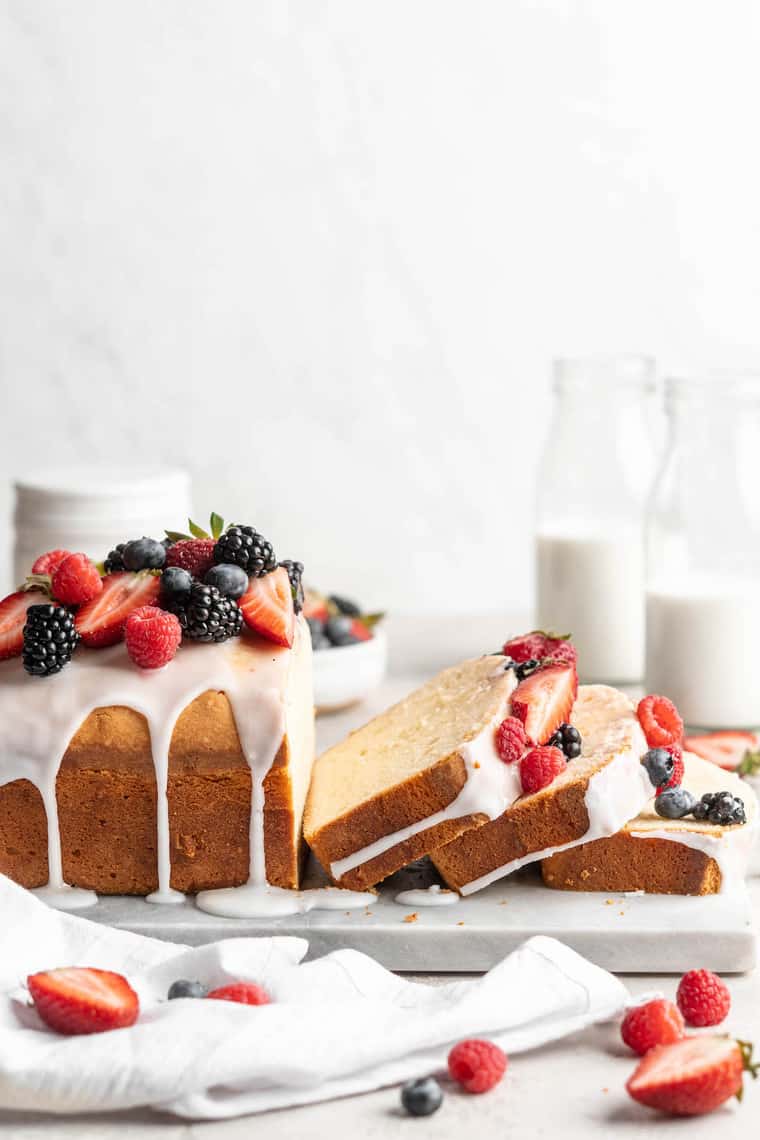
323 252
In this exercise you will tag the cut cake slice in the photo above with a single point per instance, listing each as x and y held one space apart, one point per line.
665 856
595 796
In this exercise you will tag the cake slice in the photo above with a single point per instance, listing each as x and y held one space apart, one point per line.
594 796
665 856
415 777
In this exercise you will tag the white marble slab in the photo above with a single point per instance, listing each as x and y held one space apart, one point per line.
624 933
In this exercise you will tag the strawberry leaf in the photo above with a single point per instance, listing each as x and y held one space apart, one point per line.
197 531
216 522
750 764
176 536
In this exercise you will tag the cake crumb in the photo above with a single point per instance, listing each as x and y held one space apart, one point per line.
605 1090
368 913
609 902
621 913
585 875
411 917
460 924
476 764
503 902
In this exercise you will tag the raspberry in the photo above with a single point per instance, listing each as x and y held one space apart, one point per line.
477 1065
247 993
660 721
703 998
676 751
655 1023
193 554
540 766
152 636
540 645
76 580
49 563
510 739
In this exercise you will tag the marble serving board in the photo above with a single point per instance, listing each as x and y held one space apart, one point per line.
624 933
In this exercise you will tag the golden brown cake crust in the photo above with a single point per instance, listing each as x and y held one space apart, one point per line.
624 862
106 793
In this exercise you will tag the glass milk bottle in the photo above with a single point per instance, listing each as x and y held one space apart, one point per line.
595 475
703 554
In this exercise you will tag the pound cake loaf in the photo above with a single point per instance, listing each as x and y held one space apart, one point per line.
685 856
157 735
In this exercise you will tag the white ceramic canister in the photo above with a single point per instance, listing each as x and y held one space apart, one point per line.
91 509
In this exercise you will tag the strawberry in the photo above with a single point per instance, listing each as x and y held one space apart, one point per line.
246 993
101 621
359 630
544 701
268 608
152 636
49 563
13 618
195 555
691 1076
728 750
539 645
83 1000
315 606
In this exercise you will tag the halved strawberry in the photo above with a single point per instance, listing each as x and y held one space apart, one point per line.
101 622
692 1076
545 700
268 609
83 1000
726 749
13 619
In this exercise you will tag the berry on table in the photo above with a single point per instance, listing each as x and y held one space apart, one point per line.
721 808
568 739
152 636
185 988
175 584
660 721
422 1097
76 580
675 803
244 546
267 607
47 563
656 1022
143 554
345 606
692 1076
50 639
101 621
246 993
295 575
510 739
540 767
230 580
13 611
477 1065
659 764
541 646
79 1000
196 555
703 998
206 615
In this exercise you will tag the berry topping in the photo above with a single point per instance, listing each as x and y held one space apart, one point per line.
295 574
143 554
247 993
175 585
691 1076
540 767
101 621
13 610
677 775
268 607
184 988
477 1065
315 606
510 739
344 605
734 751
721 808
82 1000
545 700
76 580
675 803
319 639
230 580
654 1023
660 765
244 546
115 559
703 998
208 616
568 739
660 721
196 555
47 563
343 630
422 1097
540 645
50 638
152 636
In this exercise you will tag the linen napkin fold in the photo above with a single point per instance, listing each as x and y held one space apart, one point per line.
339 1025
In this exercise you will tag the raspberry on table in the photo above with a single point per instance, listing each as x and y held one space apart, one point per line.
703 998
540 767
510 739
76 580
654 1023
246 993
660 721
152 636
477 1065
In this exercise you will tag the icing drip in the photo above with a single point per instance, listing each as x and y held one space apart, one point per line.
434 895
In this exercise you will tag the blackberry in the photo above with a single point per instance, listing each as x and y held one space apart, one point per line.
50 638
206 615
295 574
568 740
345 606
115 560
244 546
721 808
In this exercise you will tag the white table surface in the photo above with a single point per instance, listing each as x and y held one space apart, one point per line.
573 1089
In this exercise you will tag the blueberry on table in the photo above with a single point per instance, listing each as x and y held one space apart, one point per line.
184 988
422 1097
229 579
143 554
659 764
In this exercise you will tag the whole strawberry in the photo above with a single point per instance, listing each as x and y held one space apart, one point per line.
656 1022
541 646
196 555
703 998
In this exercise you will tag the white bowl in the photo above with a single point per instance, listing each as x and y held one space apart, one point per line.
346 674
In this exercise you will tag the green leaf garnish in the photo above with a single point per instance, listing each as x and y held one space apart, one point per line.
750 764
176 535
197 531
216 522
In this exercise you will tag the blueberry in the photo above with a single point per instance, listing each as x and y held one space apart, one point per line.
422 1097
675 803
143 554
345 606
316 627
185 988
659 765
230 580
338 630
176 583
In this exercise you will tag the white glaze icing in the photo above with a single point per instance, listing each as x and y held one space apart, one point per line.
434 895
489 788
257 900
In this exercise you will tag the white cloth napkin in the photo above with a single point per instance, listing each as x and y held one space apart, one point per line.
339 1025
